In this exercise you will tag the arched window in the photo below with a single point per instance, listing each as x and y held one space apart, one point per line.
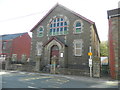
58 26
40 31
78 44
78 26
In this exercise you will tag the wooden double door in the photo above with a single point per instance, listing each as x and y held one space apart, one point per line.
54 52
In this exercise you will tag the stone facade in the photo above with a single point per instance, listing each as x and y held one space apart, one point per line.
71 46
114 61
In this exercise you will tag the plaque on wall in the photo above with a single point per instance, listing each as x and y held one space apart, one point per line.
61 54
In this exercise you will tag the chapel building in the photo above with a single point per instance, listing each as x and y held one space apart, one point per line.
68 37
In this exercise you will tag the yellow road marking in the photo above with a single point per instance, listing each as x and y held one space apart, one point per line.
111 83
33 78
55 80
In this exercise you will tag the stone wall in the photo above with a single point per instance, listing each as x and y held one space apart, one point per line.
21 67
67 71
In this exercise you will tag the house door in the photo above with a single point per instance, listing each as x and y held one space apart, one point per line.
54 52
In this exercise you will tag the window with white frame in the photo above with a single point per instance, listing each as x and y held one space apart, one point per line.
4 45
14 57
40 31
78 47
58 26
39 47
23 57
78 26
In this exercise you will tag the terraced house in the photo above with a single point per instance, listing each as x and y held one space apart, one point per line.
16 46
65 36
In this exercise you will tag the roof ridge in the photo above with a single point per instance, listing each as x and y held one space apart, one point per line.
11 36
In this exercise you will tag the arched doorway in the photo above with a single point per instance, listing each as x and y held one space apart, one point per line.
54 52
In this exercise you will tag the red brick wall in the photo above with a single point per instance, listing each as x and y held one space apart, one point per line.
111 51
114 18
21 45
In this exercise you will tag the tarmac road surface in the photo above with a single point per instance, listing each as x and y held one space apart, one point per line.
17 79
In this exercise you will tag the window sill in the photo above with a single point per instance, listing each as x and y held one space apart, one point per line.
77 33
77 55
39 36
58 35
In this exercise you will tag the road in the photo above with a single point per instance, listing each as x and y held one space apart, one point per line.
16 79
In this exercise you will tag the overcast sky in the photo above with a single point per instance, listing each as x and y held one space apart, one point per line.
17 16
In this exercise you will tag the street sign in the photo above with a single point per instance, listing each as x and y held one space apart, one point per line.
90 54
90 65
90 62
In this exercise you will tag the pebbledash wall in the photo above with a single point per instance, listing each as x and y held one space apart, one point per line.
114 43
72 42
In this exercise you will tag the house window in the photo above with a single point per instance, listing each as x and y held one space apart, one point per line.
4 45
14 57
23 58
78 26
39 48
58 26
40 31
78 47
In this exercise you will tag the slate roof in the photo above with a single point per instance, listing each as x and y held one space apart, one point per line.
113 13
10 36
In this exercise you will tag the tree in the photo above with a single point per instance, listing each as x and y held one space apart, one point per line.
104 48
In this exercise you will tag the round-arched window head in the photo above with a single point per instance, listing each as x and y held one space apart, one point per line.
40 31
58 25
78 26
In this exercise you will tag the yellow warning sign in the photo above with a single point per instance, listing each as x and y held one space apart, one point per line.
89 54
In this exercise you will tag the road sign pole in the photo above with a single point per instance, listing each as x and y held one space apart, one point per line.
90 61
90 51
90 71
